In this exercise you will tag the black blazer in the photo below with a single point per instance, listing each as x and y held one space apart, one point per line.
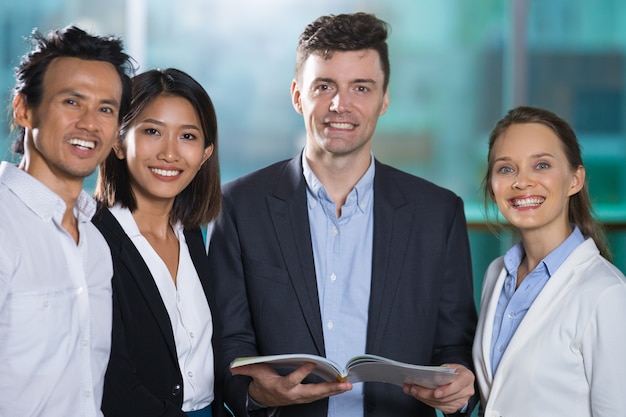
421 306
143 377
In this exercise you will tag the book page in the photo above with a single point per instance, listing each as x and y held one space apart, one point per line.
378 369
283 364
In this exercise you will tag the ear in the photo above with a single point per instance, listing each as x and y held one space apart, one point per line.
118 148
208 151
385 106
22 114
578 181
296 96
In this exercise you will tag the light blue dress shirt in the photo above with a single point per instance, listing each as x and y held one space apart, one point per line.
342 249
513 304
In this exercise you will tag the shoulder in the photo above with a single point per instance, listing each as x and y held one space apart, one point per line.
594 270
492 273
387 175
194 239
109 228
282 180
399 188
265 177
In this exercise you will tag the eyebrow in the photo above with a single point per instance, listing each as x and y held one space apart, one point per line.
536 155
160 123
74 93
355 81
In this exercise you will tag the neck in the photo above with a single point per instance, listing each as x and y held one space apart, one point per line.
153 223
538 244
339 175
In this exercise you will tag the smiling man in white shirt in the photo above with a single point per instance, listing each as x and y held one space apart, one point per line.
71 92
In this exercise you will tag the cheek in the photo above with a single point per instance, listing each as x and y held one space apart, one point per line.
142 148
496 189
194 156
499 195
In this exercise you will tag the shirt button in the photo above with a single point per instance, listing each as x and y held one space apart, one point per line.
190 374
84 342
511 315
87 393
333 277
335 231
79 290
46 303
191 335
176 389
330 324
500 348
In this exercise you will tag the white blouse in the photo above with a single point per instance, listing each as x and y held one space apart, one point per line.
188 310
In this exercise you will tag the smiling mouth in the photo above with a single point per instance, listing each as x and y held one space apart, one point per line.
166 172
527 202
83 144
341 125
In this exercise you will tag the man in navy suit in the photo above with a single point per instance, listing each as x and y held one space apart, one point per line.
335 254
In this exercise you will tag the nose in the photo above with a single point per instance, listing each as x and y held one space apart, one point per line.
522 180
169 150
340 102
87 121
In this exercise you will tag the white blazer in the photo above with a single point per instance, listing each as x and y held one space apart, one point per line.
568 355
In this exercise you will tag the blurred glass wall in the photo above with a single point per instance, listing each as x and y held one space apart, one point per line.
457 67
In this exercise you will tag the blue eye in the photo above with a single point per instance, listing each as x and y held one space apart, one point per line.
543 165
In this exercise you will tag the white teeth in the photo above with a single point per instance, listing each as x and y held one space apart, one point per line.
341 125
165 172
528 202
82 143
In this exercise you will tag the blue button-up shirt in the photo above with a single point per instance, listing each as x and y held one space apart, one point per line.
513 304
342 249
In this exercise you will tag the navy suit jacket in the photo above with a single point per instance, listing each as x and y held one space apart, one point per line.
421 306
143 377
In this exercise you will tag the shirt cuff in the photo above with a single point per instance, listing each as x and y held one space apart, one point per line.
254 407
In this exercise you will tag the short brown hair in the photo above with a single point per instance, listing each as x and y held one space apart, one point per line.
344 32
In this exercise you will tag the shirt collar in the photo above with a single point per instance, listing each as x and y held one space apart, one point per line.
40 199
362 191
552 262
125 218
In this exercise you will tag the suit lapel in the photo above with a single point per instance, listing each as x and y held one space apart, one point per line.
549 298
392 226
491 293
289 213
128 255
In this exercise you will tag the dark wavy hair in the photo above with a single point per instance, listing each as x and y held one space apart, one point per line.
70 42
580 211
344 32
200 202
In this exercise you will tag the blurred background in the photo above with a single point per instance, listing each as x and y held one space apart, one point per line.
456 67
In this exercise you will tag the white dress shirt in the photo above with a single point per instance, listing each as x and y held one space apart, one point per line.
188 310
55 303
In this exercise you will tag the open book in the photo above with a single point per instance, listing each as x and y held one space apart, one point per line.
362 368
